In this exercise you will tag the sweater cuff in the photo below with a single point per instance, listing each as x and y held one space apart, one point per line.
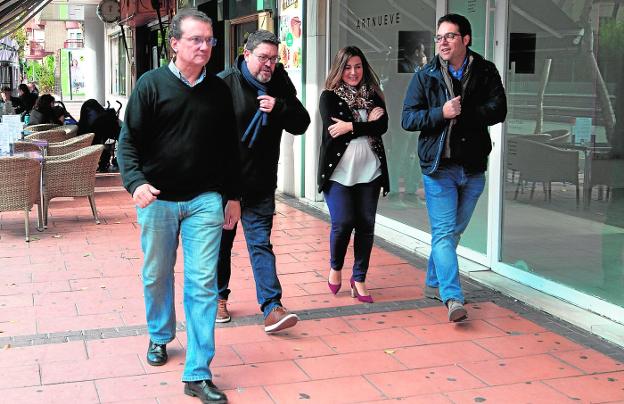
131 187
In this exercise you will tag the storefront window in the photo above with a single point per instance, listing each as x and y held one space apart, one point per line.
563 209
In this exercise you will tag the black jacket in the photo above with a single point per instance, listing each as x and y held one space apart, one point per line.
332 149
483 104
26 103
259 164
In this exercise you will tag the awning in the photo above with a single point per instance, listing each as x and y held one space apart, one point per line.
15 13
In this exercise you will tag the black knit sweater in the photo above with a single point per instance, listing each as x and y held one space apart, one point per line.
180 139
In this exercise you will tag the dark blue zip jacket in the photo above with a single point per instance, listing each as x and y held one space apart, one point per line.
483 104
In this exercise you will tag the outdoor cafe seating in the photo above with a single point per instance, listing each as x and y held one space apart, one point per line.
44 165
71 175
41 127
52 135
70 145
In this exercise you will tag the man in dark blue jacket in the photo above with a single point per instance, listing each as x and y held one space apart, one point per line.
452 101
265 104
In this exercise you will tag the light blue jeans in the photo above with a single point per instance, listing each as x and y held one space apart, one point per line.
199 222
451 196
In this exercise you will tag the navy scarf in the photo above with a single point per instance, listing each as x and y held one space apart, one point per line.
260 118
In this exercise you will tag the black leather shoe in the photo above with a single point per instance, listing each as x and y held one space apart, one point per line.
206 391
156 354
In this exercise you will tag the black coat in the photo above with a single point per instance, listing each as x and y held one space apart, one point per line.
332 149
26 103
259 164
483 104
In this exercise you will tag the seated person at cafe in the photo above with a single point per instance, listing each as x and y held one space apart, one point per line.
7 97
26 100
32 86
43 111
59 114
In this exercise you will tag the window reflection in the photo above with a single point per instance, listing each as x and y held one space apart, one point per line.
565 77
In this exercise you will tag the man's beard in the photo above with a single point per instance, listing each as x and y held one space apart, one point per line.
262 78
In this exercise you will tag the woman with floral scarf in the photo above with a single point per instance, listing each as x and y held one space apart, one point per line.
352 163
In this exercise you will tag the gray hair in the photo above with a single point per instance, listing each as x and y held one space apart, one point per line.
260 36
175 27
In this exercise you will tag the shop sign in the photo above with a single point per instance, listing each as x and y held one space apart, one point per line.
378 21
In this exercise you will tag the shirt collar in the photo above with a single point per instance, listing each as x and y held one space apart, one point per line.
174 69
457 74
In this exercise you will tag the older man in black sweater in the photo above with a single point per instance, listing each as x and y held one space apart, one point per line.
178 157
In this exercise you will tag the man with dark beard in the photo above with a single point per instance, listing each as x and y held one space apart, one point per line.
265 104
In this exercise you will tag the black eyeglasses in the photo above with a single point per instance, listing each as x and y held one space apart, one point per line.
198 41
449 36
263 58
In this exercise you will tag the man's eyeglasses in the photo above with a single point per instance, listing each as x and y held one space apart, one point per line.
198 41
449 36
263 58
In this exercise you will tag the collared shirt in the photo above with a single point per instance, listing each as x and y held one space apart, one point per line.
457 74
179 75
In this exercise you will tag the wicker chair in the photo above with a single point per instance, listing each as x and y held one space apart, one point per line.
70 145
19 187
22 147
71 174
51 136
41 127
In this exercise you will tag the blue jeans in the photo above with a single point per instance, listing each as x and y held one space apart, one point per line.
451 196
352 208
198 222
257 220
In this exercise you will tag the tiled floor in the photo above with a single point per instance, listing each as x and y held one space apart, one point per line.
72 326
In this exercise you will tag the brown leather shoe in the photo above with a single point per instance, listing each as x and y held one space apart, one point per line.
223 315
279 319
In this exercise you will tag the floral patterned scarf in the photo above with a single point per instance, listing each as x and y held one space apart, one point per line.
361 98
357 98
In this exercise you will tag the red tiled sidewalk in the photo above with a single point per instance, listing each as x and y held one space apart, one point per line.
80 276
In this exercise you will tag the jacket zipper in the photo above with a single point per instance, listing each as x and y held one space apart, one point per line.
440 142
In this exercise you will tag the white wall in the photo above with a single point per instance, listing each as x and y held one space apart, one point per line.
95 78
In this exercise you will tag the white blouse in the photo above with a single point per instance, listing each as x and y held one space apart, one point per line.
359 164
